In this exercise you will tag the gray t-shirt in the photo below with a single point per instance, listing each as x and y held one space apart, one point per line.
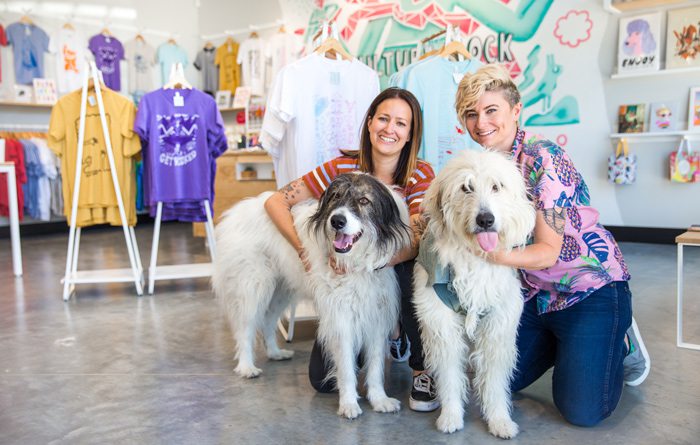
210 72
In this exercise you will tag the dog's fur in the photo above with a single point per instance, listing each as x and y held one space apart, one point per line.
473 184
257 274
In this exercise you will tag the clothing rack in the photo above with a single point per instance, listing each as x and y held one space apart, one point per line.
73 276
233 32
177 80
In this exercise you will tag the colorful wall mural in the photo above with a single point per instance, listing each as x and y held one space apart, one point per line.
386 36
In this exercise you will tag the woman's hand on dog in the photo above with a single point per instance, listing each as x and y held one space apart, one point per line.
304 258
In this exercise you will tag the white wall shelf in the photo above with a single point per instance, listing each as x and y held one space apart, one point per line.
663 72
657 135
623 7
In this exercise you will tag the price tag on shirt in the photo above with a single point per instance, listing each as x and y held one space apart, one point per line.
457 77
178 100
91 100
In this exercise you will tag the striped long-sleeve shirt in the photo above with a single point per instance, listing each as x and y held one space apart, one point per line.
318 179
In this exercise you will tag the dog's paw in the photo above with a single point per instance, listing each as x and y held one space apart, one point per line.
450 421
247 371
349 410
503 428
386 405
280 354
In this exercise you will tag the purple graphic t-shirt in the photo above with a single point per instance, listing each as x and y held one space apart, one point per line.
108 51
182 134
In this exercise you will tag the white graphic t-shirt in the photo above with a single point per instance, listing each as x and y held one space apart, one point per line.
69 46
250 57
281 49
141 58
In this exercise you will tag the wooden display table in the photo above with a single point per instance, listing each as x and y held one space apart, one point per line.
239 174
685 239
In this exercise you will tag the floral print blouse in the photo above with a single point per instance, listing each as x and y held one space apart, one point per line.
590 257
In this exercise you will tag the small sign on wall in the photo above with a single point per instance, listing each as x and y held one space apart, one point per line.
639 43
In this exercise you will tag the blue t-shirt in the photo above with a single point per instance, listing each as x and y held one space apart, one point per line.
167 55
29 43
434 82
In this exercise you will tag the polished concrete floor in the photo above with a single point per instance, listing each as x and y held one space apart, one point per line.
110 368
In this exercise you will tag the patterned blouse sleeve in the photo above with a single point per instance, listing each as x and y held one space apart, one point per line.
555 185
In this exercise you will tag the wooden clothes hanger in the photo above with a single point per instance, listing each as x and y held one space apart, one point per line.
455 47
140 38
282 29
106 32
332 47
253 35
69 26
208 45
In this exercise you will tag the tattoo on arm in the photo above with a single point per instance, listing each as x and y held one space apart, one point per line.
290 190
555 219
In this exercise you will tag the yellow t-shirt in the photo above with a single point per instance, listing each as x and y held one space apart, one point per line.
98 200
229 70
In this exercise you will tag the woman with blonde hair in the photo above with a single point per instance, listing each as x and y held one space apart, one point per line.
577 300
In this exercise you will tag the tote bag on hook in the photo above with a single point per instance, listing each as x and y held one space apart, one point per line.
622 166
684 164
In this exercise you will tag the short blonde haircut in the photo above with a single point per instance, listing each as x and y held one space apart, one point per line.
474 85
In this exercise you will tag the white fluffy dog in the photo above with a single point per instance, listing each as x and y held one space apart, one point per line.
362 224
479 201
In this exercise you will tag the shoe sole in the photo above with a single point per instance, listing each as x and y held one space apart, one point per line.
647 362
421 406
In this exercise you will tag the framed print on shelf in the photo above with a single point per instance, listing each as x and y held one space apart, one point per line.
663 116
45 91
223 99
694 110
23 94
631 118
683 38
639 43
242 97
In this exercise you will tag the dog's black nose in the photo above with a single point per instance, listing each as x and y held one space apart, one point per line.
338 221
485 220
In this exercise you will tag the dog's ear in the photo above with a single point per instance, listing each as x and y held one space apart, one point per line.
433 202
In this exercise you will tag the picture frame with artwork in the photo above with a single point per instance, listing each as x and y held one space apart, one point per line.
683 38
663 116
694 110
631 118
45 91
639 43
223 99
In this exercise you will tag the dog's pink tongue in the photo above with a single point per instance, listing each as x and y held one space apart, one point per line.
487 240
342 240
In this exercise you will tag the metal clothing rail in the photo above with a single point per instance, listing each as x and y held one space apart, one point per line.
73 276
233 32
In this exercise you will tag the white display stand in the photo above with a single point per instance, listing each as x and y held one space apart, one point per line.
178 271
9 168
73 276
685 239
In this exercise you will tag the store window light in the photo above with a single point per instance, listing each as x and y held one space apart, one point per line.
21 7
57 8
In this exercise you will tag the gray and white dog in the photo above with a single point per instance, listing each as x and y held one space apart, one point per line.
358 221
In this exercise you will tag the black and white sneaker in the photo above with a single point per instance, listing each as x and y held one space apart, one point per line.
423 396
400 348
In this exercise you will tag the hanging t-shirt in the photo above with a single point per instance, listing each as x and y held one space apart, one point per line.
168 54
29 43
250 57
98 202
210 75
434 82
3 42
229 71
317 110
141 57
281 49
108 52
13 153
182 133
69 47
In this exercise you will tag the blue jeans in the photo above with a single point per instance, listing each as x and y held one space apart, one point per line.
585 345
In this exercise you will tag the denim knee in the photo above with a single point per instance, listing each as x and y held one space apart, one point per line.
582 415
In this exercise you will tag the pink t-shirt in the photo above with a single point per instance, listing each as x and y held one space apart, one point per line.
590 257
